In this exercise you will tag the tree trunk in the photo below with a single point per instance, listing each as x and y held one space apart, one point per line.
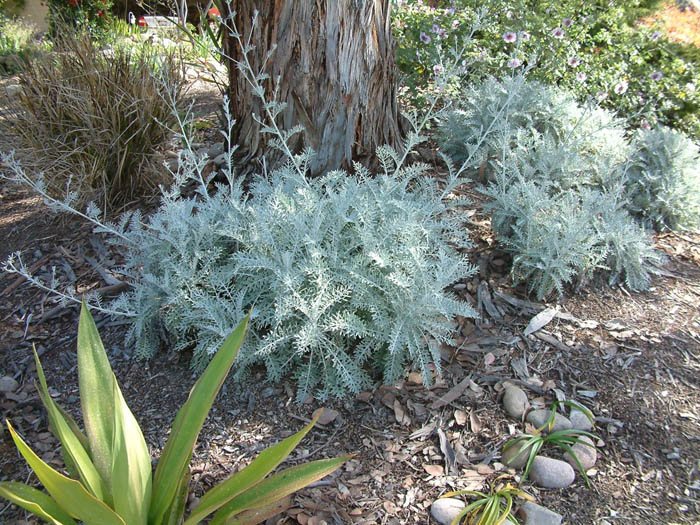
334 68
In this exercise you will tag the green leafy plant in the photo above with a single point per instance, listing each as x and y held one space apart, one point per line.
531 444
111 464
492 508
94 121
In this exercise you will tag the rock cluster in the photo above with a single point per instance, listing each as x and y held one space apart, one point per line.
548 472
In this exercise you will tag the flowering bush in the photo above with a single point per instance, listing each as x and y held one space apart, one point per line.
92 16
589 47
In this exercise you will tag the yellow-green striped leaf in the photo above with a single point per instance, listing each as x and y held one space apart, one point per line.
131 470
255 516
73 444
261 466
277 486
96 381
36 502
69 494
174 461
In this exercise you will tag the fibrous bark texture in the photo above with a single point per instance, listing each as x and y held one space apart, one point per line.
334 68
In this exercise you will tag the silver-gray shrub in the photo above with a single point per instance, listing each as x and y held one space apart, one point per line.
561 237
346 273
663 180
343 272
513 110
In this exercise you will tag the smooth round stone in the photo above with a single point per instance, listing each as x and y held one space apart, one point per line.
514 457
585 454
534 514
8 384
539 417
551 473
444 510
579 421
515 402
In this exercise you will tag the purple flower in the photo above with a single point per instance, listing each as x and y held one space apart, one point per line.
442 33
644 124
574 62
437 69
424 38
513 63
581 77
558 33
455 24
601 95
524 36
450 11
567 22
436 28
510 37
621 87
656 75
655 35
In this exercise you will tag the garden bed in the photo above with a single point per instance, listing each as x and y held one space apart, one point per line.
634 359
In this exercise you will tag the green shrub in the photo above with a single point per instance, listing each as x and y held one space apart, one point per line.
97 118
17 43
663 180
90 16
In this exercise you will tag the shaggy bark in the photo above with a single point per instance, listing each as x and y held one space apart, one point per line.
334 68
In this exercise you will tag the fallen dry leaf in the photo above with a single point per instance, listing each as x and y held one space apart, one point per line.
327 416
451 395
474 422
433 470
460 417
540 320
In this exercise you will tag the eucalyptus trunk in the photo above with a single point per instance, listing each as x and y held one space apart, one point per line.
334 68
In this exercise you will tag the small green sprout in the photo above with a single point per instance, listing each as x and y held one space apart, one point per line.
493 508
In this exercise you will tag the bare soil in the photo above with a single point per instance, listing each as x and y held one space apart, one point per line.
633 358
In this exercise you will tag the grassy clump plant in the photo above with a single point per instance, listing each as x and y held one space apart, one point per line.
492 508
531 444
95 120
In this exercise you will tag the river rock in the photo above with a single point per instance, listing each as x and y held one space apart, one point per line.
551 473
580 421
515 402
514 457
534 514
8 384
444 510
587 455
539 417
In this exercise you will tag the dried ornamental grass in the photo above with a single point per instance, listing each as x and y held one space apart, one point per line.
93 120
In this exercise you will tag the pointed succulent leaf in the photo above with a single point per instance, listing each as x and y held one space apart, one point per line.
261 466
38 503
96 381
278 486
176 455
131 470
69 494
73 443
